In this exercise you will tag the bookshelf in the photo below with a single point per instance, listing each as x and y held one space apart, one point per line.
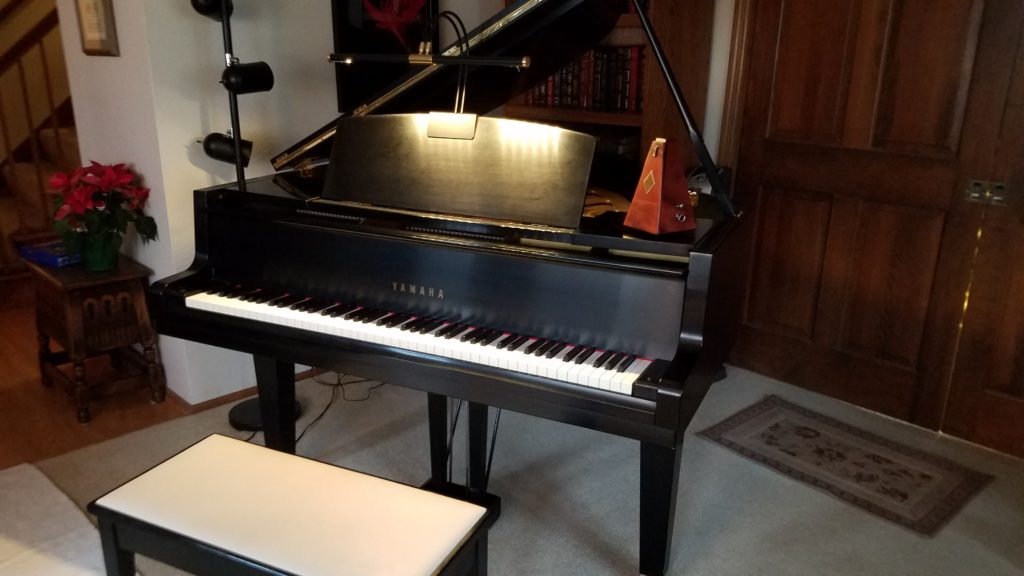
684 29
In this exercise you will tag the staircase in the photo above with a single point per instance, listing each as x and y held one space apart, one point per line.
37 135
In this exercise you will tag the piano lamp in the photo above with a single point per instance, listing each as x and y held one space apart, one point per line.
222 147
237 78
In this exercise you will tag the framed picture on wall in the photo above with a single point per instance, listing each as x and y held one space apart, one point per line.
96 27
377 27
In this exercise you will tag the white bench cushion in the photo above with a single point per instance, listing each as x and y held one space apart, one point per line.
296 514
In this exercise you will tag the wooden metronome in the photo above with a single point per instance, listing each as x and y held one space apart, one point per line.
662 203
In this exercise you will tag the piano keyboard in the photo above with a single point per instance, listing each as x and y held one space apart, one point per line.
562 361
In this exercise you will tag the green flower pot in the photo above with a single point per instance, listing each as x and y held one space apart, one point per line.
100 252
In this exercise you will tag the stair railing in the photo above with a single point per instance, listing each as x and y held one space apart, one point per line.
17 59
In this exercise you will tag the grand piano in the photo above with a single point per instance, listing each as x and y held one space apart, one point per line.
417 266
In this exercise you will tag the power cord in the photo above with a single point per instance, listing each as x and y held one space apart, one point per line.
335 386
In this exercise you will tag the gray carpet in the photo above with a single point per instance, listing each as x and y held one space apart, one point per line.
570 496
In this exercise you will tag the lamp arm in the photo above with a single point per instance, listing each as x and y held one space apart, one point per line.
717 186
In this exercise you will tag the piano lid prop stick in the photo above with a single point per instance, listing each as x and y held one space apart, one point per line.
717 186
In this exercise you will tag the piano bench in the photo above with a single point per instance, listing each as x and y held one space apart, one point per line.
224 506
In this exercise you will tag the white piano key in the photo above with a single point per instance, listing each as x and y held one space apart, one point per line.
555 368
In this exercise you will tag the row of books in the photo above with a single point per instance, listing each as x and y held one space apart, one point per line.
607 79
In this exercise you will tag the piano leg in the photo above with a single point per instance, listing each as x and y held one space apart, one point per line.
437 424
659 474
275 383
476 480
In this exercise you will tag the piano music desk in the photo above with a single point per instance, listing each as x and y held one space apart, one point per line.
90 314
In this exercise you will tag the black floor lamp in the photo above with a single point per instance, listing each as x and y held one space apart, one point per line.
237 78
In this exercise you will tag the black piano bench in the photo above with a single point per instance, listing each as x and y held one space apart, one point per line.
227 507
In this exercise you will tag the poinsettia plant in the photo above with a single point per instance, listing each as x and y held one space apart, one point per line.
100 200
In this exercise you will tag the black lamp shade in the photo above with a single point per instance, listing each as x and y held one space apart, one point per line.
248 78
212 8
222 147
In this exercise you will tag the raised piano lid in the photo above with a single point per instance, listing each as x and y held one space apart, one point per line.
552 33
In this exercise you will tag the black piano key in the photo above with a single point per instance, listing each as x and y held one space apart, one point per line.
420 321
445 329
288 300
340 310
252 295
430 326
483 337
331 307
518 342
472 334
488 339
534 346
573 353
237 291
616 357
504 342
374 315
355 314
394 319
556 349
582 357
314 305
625 363
265 296
297 306
545 347
453 330
602 358
400 320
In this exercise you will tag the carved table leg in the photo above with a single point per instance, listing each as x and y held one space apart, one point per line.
81 392
157 385
44 354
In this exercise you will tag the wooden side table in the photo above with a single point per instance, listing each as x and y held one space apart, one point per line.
94 313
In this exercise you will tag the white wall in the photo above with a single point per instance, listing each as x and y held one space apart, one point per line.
150 106
721 41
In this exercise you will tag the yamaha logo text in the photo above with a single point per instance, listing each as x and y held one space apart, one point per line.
417 290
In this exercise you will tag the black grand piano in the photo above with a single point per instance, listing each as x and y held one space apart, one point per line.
461 267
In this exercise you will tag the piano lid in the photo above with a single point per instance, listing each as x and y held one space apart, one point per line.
552 33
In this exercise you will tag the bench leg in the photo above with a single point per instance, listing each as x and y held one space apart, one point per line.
481 555
119 562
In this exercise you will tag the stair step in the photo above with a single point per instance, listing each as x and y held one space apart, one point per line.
24 183
60 146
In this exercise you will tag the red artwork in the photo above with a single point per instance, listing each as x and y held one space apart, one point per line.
395 16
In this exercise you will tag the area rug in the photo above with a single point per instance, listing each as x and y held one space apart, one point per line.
910 487
42 532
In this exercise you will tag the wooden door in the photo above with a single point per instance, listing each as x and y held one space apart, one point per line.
985 403
863 120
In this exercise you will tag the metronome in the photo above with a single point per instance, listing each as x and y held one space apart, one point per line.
662 202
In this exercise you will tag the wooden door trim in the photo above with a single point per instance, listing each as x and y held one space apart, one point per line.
736 83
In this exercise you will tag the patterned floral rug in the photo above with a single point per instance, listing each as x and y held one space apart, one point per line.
912 488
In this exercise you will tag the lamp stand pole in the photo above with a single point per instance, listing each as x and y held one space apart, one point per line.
229 60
